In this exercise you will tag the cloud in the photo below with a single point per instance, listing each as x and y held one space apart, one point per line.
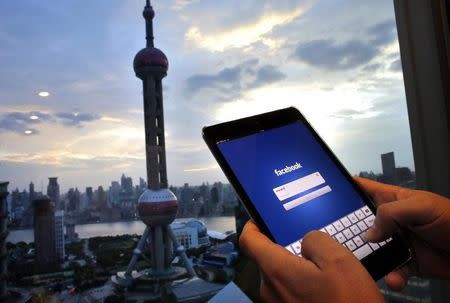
332 55
268 74
24 122
224 77
231 81
242 35
75 119
396 66
382 33
180 4
21 123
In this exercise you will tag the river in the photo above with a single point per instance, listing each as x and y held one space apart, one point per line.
221 224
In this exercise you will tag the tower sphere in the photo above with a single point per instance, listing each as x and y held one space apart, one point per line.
157 207
150 57
148 13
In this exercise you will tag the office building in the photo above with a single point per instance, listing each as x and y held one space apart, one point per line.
53 192
45 232
388 164
59 234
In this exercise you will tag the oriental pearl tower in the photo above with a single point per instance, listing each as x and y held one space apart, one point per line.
157 206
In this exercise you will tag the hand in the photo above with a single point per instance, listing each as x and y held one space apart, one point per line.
327 272
424 219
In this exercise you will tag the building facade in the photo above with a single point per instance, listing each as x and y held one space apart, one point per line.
59 234
3 235
45 232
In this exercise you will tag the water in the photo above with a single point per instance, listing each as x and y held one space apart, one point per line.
221 224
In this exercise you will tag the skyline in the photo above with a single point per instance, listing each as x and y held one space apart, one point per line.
227 60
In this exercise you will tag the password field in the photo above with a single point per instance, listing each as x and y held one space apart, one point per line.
303 199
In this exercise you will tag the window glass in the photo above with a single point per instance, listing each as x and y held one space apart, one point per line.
71 105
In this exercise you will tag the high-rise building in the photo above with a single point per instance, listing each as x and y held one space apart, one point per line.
53 192
126 184
3 235
59 234
32 194
388 164
89 195
113 193
73 200
44 232
101 198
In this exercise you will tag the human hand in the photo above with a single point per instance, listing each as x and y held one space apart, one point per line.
424 219
326 272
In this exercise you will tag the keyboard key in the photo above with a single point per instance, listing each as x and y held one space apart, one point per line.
355 229
297 247
323 230
338 225
382 243
362 252
330 230
389 240
369 220
351 245
363 236
360 214
340 237
290 249
374 246
362 226
353 218
346 222
358 241
348 233
366 210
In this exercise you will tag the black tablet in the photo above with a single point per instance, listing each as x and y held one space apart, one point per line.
290 182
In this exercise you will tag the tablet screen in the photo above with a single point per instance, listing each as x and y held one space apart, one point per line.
293 183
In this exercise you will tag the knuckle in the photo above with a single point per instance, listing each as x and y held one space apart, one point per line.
340 260
383 211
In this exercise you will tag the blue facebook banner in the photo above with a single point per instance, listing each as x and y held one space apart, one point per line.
291 180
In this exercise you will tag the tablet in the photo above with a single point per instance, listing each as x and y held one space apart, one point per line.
290 183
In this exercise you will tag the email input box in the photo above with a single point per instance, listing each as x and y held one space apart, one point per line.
298 186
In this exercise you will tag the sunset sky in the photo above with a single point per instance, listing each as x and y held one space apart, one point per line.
71 106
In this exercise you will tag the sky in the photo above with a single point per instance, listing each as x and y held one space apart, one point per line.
71 106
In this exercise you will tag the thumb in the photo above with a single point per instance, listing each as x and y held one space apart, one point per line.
392 216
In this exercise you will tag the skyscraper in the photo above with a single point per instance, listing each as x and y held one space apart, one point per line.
3 235
59 234
32 193
44 232
53 192
388 164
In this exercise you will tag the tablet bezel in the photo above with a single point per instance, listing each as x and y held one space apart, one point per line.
378 263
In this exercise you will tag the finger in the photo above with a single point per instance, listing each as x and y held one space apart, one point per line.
321 249
257 246
272 259
397 279
404 213
379 192
268 292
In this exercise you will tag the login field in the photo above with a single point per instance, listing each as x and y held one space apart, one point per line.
298 186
